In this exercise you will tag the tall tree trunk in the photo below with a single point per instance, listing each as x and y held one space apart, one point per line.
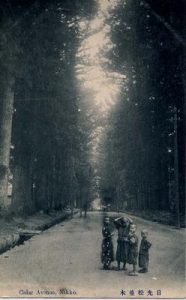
22 203
41 191
176 171
5 140
184 88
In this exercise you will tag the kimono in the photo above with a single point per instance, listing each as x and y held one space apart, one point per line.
107 251
144 254
122 242
133 249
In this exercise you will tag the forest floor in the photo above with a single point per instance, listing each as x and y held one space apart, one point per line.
65 259
162 217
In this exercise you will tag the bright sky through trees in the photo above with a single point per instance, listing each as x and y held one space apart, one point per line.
99 84
94 73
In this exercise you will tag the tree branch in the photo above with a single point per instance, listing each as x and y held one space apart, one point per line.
168 26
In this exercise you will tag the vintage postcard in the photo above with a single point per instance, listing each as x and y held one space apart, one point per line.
92 149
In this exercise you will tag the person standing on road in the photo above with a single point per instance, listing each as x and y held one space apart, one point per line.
144 252
122 224
107 253
133 249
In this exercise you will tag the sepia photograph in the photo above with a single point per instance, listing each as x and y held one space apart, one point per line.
92 149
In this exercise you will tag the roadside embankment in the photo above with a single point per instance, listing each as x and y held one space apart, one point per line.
18 229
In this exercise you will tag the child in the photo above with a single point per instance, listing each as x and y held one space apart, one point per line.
144 252
107 253
133 249
122 224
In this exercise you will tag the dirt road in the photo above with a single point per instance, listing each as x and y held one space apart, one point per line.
64 261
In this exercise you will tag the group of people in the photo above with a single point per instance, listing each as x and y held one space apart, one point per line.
127 246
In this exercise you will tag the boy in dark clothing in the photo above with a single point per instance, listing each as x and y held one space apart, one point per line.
133 249
144 252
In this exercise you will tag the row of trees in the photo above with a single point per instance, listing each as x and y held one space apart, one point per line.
145 143
48 129
41 135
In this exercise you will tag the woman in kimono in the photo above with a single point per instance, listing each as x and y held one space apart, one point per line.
122 224
107 253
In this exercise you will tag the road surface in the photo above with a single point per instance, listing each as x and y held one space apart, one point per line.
66 259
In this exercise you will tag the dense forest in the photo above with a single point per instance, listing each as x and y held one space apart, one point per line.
59 145
145 161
